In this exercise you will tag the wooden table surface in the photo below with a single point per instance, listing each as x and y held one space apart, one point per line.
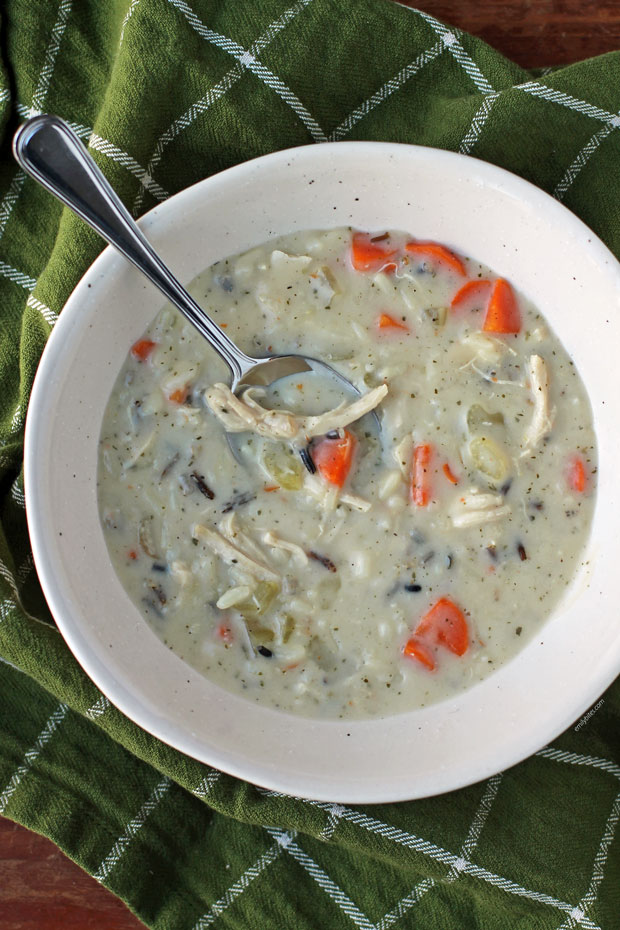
40 889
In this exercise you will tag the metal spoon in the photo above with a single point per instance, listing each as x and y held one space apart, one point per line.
48 150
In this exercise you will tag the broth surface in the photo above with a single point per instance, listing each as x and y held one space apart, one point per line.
458 525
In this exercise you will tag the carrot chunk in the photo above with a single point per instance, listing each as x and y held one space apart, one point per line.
225 633
420 474
449 474
179 396
334 457
503 315
367 255
472 291
416 649
576 474
385 321
445 623
438 253
142 349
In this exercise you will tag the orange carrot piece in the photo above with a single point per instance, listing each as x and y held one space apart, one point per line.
445 623
334 457
179 396
142 349
225 633
385 321
271 487
416 649
471 291
437 253
449 474
576 474
367 255
420 477
503 315
132 554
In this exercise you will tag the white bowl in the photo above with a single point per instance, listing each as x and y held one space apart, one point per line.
476 208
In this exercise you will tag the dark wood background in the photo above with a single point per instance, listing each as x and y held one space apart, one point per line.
40 889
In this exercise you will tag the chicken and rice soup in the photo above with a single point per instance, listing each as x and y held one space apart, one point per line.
295 553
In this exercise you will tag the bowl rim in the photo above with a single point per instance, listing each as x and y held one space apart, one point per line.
114 689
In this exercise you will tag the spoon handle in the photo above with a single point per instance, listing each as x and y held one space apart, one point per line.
48 150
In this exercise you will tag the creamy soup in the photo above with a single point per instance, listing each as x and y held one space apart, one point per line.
320 563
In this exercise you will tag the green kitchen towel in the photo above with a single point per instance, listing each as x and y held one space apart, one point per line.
165 92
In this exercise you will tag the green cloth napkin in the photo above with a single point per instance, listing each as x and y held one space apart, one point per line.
165 92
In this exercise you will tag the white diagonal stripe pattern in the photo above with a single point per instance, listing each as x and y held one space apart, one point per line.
32 754
18 277
98 708
480 117
332 822
239 886
248 60
50 316
472 70
111 151
132 6
49 61
536 89
218 90
17 493
410 841
18 418
132 829
598 871
405 904
7 606
486 802
187 119
575 758
455 48
38 100
7 574
9 199
206 785
581 160
387 89
323 880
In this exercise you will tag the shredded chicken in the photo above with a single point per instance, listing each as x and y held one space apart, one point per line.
355 502
485 347
542 419
402 455
477 507
291 285
272 539
139 452
238 414
229 527
181 572
329 496
234 596
232 555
